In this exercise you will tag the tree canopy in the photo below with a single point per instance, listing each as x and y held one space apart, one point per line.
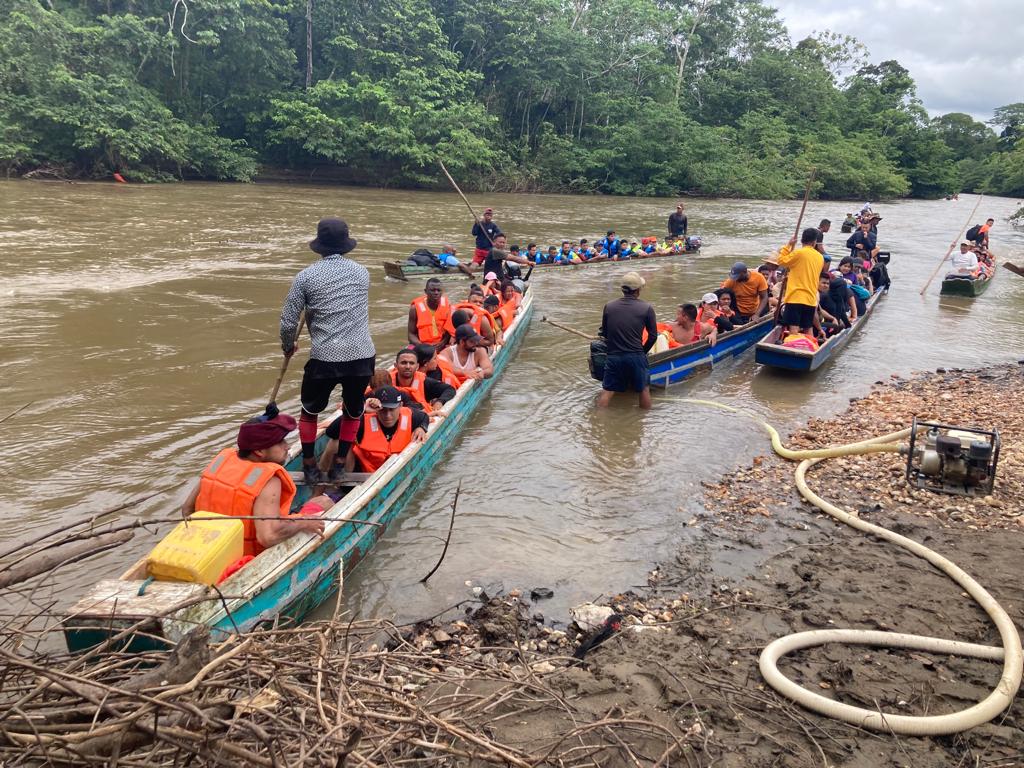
646 97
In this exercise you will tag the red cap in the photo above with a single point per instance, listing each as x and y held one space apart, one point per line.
488 210
263 432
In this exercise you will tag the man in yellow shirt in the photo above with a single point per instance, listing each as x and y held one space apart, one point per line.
804 265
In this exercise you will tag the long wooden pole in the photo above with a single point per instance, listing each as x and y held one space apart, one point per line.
288 359
456 186
567 328
796 235
952 245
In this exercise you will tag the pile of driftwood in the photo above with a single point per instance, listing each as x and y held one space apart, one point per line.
324 694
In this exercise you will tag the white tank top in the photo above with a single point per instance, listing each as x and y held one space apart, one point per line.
465 368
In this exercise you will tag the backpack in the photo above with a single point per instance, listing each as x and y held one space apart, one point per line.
421 257
973 232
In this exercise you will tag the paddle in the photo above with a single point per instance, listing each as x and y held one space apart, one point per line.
288 359
567 328
952 246
796 235
1014 268
475 217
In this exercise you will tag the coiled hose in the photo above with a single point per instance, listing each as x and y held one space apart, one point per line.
932 725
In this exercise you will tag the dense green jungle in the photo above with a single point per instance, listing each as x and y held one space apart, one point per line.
624 97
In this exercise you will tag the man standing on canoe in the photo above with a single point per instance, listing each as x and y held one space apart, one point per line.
334 294
677 223
496 257
485 232
622 326
428 315
800 302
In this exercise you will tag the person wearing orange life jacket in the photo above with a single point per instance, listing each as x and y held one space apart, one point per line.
428 316
251 482
711 311
491 286
407 378
388 428
434 366
478 316
688 330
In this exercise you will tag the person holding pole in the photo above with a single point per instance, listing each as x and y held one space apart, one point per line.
485 232
804 265
334 293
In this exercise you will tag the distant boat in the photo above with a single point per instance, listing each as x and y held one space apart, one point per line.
771 353
967 285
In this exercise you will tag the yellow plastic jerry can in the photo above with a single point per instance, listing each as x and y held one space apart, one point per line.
198 549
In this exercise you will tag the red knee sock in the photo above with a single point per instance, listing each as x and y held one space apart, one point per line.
307 433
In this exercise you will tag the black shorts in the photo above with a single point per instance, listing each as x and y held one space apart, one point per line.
623 371
800 315
319 379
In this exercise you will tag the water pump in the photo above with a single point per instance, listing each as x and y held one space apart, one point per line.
955 460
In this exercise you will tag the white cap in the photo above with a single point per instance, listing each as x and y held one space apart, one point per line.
708 298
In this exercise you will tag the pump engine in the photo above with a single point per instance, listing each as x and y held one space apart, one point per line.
955 460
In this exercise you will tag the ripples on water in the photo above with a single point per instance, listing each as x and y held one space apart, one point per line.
141 323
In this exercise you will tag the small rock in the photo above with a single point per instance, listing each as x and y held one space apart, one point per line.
541 593
441 637
589 616
543 667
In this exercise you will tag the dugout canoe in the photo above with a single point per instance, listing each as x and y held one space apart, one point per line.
964 285
291 579
675 365
769 352
399 270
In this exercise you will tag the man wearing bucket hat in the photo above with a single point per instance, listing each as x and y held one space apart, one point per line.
251 482
334 294
622 326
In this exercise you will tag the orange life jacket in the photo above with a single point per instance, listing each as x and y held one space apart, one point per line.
801 341
663 328
230 485
416 390
447 372
430 324
374 449
479 313
507 313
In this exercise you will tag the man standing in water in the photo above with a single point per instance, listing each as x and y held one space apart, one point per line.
677 223
622 327
486 233
334 294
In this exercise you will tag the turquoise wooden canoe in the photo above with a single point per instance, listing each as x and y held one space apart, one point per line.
292 578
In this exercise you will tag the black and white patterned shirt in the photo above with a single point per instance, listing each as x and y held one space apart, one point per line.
335 292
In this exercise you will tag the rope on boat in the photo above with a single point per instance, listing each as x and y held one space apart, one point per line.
932 725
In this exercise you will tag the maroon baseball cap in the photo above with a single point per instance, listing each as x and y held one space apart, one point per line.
265 431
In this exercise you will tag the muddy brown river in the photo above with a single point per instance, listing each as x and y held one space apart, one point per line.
140 323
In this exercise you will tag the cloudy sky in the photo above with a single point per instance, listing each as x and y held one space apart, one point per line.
965 55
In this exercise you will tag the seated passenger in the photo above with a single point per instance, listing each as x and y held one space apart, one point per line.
727 305
490 284
251 482
650 245
388 427
833 313
710 312
478 316
966 261
433 366
687 330
449 260
608 245
586 250
533 254
428 315
467 357
417 389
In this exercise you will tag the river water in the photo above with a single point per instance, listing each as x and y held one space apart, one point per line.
140 322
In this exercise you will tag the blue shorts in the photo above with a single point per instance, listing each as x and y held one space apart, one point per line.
624 371
448 260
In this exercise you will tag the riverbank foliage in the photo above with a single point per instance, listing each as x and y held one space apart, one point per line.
647 97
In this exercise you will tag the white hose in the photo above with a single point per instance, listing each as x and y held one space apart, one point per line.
932 725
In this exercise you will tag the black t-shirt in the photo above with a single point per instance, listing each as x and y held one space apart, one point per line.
480 232
623 324
495 262
676 224
437 390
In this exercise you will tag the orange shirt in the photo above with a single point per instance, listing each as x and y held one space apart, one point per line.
747 292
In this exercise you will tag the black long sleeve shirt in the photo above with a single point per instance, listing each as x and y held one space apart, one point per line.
623 324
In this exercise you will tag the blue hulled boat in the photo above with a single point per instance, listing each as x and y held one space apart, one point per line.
674 365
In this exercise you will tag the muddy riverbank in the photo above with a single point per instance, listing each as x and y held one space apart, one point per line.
493 680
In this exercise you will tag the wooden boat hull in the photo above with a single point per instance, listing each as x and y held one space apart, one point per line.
774 355
398 270
293 578
675 365
959 286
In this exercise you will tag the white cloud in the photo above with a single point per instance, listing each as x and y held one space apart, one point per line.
964 56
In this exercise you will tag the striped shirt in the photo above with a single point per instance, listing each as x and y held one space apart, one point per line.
335 293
